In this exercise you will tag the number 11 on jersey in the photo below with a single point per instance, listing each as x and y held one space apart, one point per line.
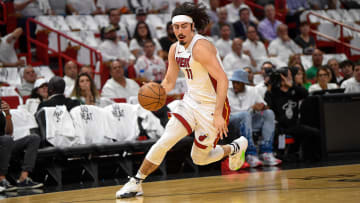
189 73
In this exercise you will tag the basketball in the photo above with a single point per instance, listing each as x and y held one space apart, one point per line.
152 96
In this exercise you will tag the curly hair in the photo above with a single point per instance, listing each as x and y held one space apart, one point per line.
196 11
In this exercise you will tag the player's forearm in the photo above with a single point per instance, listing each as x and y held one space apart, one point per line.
221 93
167 85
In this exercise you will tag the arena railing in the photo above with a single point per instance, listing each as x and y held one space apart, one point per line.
3 21
342 40
58 52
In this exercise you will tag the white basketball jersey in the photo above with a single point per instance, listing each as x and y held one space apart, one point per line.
201 86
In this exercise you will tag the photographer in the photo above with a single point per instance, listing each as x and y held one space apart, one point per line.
284 97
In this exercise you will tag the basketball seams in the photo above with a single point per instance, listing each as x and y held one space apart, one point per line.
151 98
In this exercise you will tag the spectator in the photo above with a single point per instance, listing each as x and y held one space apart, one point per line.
8 57
250 113
56 88
142 33
214 5
38 95
58 7
234 8
105 5
296 6
168 40
83 7
149 66
223 45
347 69
352 85
122 33
29 78
10 148
87 69
215 28
294 10
269 26
334 65
29 9
305 40
40 90
300 76
236 59
284 100
250 75
159 6
319 4
283 46
255 47
317 59
243 23
266 69
322 77
112 49
141 16
332 77
294 59
71 72
85 90
118 86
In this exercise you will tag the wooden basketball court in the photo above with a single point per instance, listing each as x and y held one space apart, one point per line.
324 184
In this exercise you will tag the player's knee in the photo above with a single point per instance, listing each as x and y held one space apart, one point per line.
199 158
157 153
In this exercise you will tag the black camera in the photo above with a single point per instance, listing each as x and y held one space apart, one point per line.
275 77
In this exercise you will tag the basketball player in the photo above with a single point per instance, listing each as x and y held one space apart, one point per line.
204 108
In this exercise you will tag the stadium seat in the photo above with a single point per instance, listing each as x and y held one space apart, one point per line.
13 101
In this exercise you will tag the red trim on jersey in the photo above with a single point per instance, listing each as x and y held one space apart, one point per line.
226 109
201 146
182 121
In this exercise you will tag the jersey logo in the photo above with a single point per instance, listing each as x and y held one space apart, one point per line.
202 137
183 62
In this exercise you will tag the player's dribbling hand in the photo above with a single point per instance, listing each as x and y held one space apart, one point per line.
220 125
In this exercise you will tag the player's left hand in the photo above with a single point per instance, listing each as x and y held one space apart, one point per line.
220 125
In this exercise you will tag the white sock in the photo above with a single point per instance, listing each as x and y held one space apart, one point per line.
140 176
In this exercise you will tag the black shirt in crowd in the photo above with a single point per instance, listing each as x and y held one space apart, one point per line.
307 47
286 105
59 100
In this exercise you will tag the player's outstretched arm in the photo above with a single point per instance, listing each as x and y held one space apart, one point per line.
172 72
205 53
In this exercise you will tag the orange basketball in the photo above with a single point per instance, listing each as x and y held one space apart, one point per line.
152 96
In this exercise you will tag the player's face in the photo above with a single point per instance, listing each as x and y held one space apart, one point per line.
183 32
